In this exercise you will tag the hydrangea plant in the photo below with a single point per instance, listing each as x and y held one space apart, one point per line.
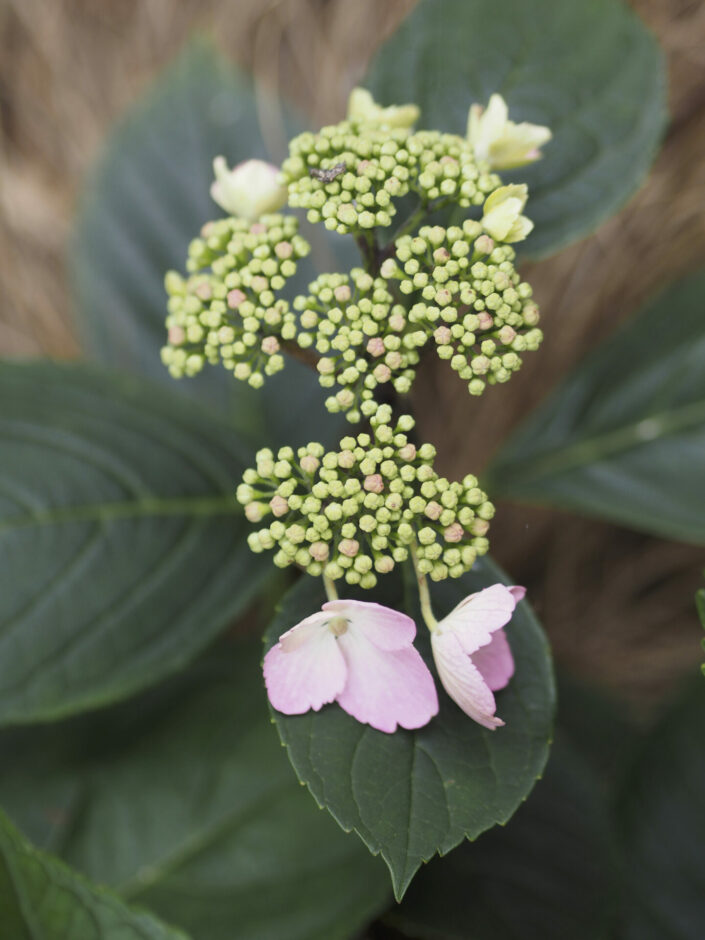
355 513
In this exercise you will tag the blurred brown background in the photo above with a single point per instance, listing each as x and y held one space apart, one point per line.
618 606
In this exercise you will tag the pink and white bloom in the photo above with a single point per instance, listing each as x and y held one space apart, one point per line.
249 190
472 654
358 654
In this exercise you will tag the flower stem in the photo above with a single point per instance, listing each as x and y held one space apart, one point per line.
424 594
331 592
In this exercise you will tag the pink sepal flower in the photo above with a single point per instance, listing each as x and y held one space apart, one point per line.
358 654
472 654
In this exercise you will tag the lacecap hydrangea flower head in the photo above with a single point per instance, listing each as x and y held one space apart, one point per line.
357 512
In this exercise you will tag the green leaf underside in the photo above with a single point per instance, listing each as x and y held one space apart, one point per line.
589 71
412 794
664 829
148 199
43 899
547 875
119 536
623 438
185 802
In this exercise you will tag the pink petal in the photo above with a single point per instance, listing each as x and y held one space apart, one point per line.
386 688
495 661
477 617
462 681
388 629
305 669
517 592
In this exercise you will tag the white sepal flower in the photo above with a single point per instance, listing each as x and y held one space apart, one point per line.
249 190
502 143
502 214
363 109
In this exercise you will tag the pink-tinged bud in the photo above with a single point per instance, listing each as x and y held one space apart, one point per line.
407 452
283 250
446 158
326 366
254 512
384 564
235 298
530 314
342 293
278 505
375 347
270 345
382 372
346 459
397 322
441 255
454 533
249 190
309 463
485 320
484 244
345 398
393 359
433 510
259 284
442 335
374 483
506 335
319 551
204 291
481 365
349 547
259 228
207 230
176 335
362 166
479 527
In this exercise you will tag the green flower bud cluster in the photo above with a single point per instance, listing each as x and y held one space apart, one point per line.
227 309
356 512
349 174
464 290
353 323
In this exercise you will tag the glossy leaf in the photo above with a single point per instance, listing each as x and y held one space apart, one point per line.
149 197
623 438
43 899
184 802
590 71
664 829
547 875
123 549
412 794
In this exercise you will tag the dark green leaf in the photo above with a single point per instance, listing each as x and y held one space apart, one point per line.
590 71
42 899
664 828
623 438
547 875
412 794
700 604
123 550
186 803
148 199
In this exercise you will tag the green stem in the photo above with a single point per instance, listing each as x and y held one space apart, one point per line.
424 594
331 592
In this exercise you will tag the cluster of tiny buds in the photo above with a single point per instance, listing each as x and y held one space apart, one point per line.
353 323
227 309
349 174
356 512
465 291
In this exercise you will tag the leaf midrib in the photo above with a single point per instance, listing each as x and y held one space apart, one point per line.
591 450
142 507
